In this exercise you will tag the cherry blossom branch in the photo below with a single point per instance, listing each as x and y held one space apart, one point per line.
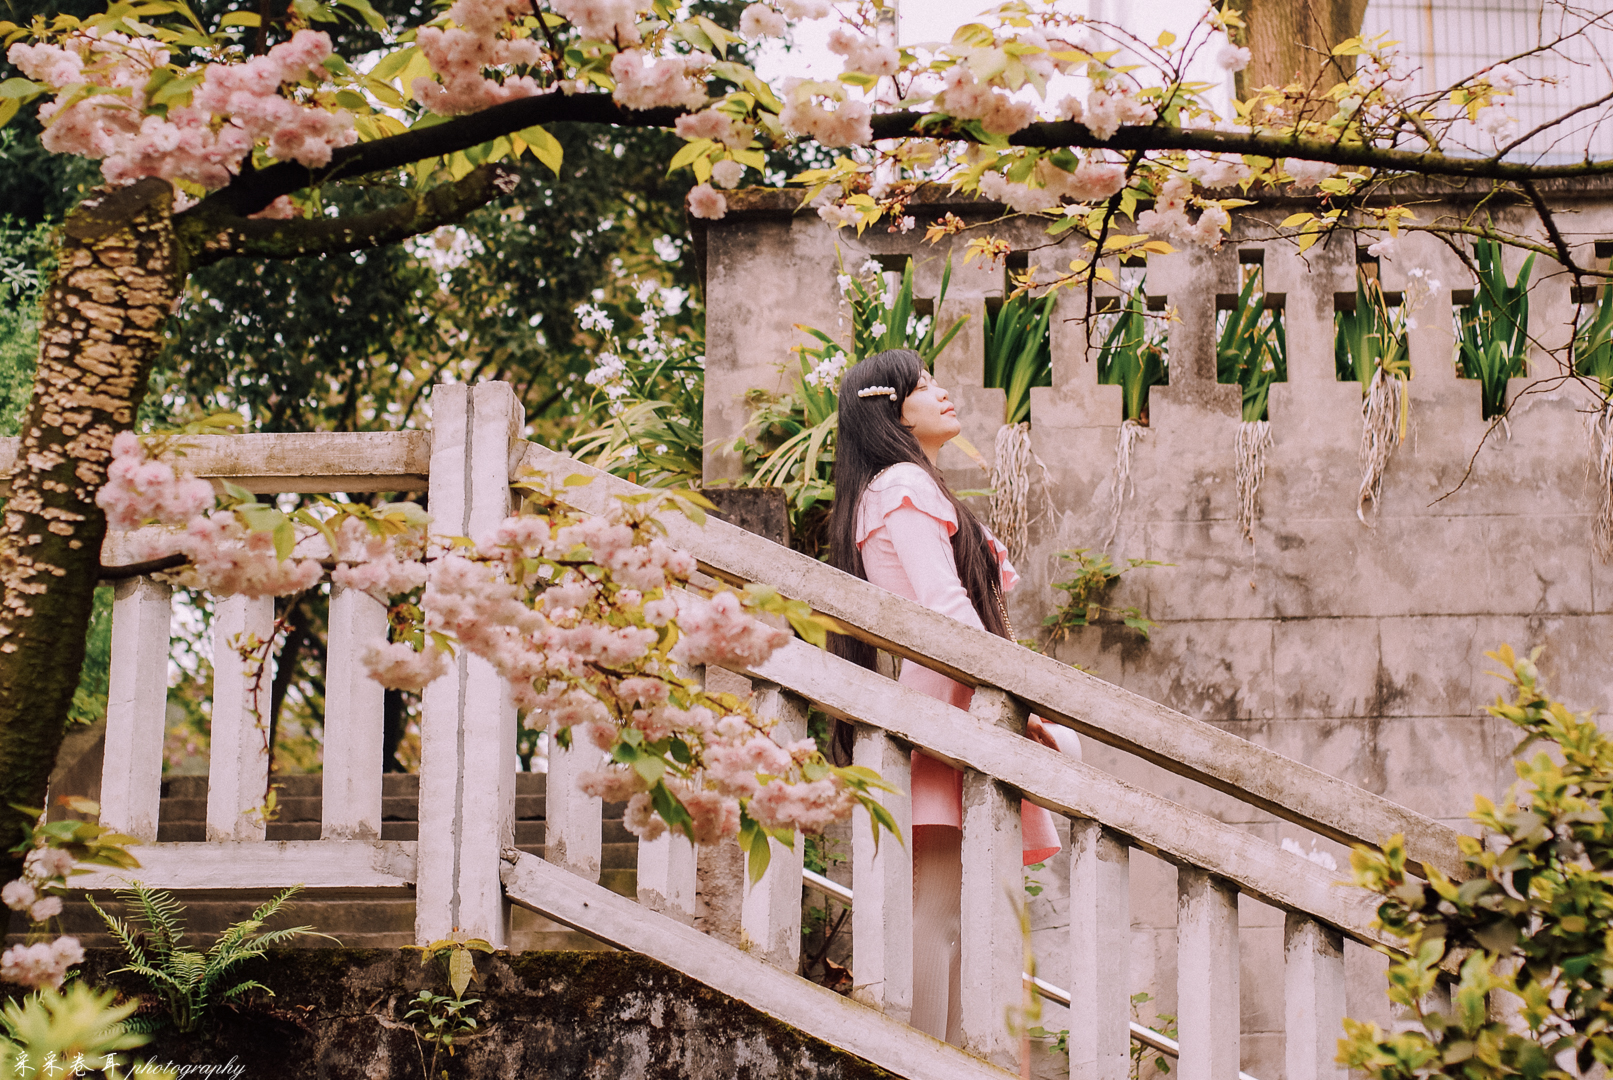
253 190
214 236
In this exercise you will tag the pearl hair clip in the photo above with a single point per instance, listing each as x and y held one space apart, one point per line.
877 391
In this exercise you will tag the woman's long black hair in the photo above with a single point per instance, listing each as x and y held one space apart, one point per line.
871 438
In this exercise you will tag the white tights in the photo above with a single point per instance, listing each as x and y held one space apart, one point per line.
937 903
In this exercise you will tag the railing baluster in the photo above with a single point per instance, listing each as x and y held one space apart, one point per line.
666 876
993 948
882 920
770 913
573 835
467 736
238 762
355 718
1313 966
136 708
1207 976
1100 956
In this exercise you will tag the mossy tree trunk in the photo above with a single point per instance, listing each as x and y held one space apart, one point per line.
101 329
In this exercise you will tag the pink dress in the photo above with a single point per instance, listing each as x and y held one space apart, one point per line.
904 529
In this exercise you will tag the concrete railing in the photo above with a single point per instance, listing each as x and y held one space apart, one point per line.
465 872
1108 818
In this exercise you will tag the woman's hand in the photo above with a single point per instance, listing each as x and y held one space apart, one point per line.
1039 730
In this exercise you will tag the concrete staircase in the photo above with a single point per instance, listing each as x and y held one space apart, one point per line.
358 918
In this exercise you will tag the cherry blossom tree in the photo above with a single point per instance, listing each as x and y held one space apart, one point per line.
216 143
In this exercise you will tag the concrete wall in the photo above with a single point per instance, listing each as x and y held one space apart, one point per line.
1356 649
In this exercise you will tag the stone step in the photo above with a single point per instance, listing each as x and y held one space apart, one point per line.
365 920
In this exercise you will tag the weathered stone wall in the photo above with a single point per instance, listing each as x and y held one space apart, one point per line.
340 1014
1356 649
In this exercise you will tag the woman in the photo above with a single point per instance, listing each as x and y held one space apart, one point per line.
896 525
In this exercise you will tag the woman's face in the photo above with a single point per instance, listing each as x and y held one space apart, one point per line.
930 416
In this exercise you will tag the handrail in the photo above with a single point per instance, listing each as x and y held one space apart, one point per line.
1141 1033
1263 778
307 461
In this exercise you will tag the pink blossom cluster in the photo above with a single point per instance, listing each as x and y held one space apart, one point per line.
968 99
1092 180
20 895
204 141
805 9
380 565
398 666
644 83
805 806
581 651
848 125
459 57
41 964
1214 170
45 863
864 55
644 567
1230 57
603 20
760 20
228 559
734 767
718 631
1107 109
714 125
727 174
138 490
707 202
1169 216
1308 173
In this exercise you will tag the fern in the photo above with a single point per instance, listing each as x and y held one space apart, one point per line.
190 982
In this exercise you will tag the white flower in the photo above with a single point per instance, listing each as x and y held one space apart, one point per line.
45 908
18 895
1385 247
593 318
878 329
1230 57
1495 121
870 267
906 224
842 282
1505 77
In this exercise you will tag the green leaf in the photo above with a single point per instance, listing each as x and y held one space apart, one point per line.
547 149
651 767
391 65
461 970
285 539
367 12
240 18
21 88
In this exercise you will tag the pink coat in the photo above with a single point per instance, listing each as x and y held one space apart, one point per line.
904 529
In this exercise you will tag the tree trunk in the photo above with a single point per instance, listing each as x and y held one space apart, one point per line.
1293 40
101 330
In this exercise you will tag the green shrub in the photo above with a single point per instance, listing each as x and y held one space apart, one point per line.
1532 919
